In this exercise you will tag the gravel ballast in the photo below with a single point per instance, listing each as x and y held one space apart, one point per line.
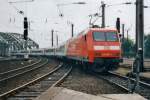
83 82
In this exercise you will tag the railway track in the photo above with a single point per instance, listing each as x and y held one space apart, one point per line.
9 65
122 81
14 78
35 87
20 71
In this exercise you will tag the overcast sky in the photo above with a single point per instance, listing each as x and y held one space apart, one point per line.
44 16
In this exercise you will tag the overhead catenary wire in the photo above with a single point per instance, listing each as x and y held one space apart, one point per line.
21 1
119 4
19 11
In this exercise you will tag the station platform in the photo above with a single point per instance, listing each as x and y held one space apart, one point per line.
145 75
127 67
60 93
125 71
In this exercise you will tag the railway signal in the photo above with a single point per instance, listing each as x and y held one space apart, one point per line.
118 24
25 28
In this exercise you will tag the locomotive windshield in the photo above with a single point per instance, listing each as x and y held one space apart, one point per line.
111 36
99 36
105 36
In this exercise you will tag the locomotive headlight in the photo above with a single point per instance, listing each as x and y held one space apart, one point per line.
114 47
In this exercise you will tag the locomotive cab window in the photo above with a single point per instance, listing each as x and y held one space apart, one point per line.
111 36
105 36
99 36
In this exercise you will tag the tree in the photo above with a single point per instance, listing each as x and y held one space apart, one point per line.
128 48
147 45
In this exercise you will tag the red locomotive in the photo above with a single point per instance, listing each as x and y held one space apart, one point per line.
98 49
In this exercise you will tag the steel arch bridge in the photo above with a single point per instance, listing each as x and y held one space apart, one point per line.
13 42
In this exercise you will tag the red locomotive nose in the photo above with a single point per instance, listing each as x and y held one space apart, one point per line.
106 44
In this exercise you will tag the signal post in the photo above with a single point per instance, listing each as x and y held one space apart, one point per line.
140 32
103 5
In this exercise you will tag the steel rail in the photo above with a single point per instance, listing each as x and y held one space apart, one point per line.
20 68
125 77
123 82
29 83
62 78
111 82
20 73
5 95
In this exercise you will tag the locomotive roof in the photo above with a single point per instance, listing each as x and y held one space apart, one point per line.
94 29
104 29
85 31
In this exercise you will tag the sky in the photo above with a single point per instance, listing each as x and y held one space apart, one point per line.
44 16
